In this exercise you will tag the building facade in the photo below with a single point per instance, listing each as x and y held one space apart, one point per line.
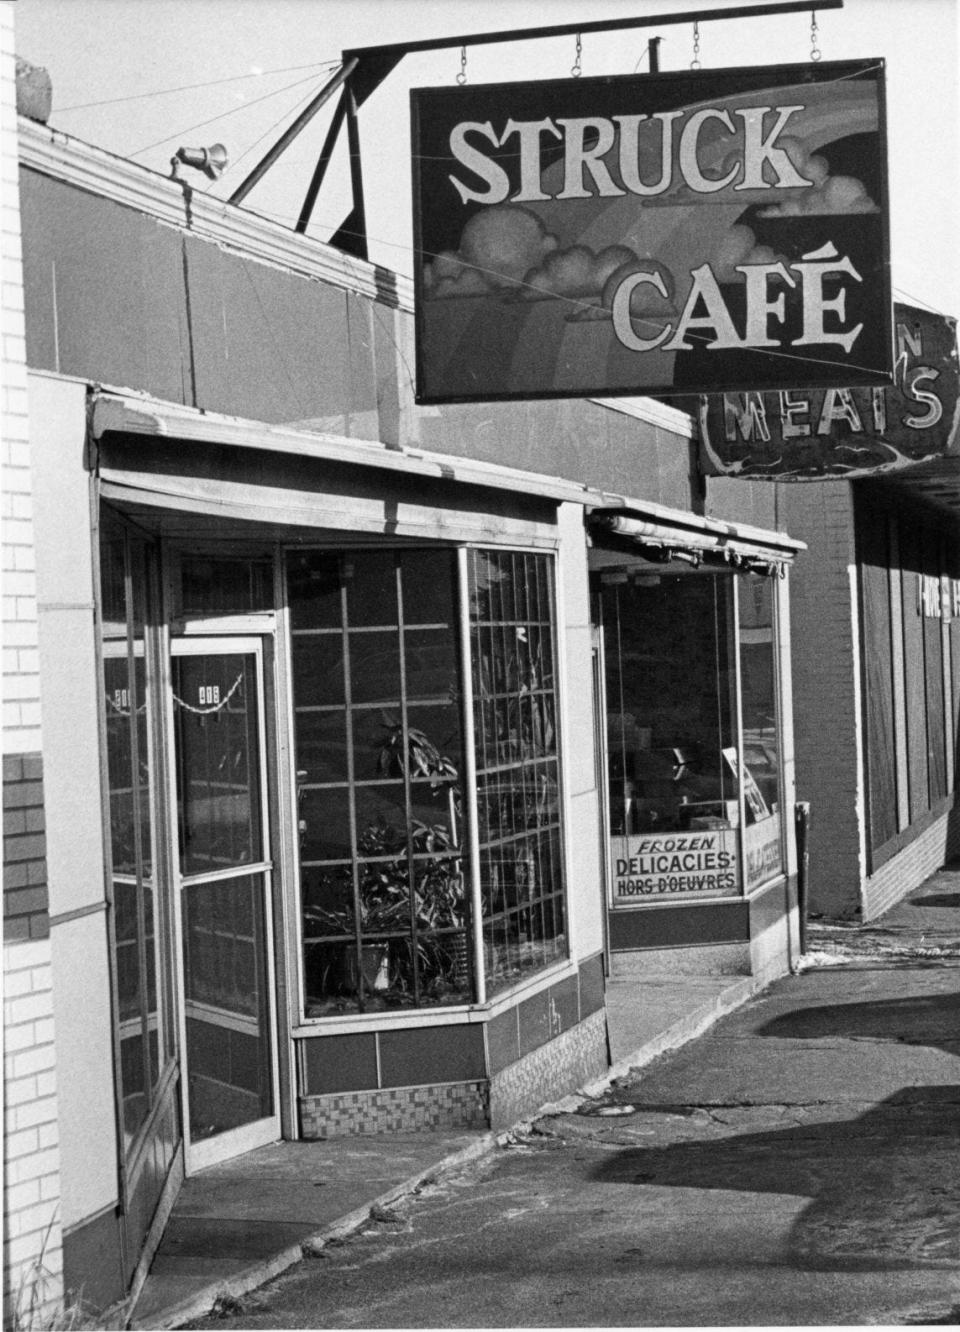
375 738
876 667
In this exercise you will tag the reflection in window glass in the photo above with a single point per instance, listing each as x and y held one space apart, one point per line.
234 586
518 781
379 761
668 646
215 715
379 746
144 1044
761 743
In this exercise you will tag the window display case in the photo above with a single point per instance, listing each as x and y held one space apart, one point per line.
693 751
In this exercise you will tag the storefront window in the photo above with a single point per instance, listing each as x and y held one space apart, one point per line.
686 803
762 843
211 585
384 816
518 781
144 1042
379 758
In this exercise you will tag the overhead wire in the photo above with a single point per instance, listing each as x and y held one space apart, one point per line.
191 87
222 116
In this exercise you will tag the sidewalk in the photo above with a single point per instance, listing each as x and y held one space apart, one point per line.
237 1225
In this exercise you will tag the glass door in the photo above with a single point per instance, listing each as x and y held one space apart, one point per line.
223 857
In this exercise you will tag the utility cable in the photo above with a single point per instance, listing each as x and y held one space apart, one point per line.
191 87
177 134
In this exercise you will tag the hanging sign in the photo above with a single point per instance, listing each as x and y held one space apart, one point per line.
806 434
690 232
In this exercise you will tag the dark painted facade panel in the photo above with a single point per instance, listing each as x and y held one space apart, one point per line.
431 1054
535 1024
340 1063
673 927
92 1268
592 986
503 1041
268 345
768 907
103 291
565 996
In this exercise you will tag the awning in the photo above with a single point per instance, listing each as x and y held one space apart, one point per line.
115 412
693 539
282 475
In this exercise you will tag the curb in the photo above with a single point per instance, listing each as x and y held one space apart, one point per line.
257 1274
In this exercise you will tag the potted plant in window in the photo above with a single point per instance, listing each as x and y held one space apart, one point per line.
397 895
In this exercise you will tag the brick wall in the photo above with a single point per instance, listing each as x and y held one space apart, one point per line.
24 849
32 1267
826 690
31 1154
916 862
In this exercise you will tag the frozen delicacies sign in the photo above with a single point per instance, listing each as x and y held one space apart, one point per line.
666 866
672 233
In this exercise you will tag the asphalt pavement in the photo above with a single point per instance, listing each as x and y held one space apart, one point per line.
797 1164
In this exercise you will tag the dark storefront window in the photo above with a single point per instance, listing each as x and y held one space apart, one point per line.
693 813
909 588
379 695
670 702
145 1034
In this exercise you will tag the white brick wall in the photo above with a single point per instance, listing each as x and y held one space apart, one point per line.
33 1254
21 680
31 1156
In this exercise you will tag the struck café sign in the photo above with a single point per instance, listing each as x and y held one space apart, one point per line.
689 232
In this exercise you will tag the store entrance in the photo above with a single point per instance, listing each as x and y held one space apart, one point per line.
223 870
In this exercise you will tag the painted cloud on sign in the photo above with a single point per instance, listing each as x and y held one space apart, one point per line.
506 250
498 247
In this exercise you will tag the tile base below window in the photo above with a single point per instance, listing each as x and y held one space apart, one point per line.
396 1110
550 1072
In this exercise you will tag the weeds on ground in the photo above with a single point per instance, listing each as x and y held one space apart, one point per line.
31 1309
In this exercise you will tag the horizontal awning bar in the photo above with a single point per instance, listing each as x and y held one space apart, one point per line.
116 412
132 415
707 536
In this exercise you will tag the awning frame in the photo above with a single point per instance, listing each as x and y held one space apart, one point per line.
650 525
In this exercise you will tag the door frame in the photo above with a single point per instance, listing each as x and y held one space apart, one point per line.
601 769
232 1142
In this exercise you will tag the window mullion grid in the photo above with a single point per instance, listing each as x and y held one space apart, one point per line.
536 702
524 704
351 786
407 785
466 560
134 694
501 692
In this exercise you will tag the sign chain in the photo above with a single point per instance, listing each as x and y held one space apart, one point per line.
462 76
576 69
814 33
695 62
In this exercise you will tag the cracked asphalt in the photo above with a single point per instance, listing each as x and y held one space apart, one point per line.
797 1165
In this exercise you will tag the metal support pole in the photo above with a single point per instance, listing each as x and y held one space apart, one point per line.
801 819
323 161
357 222
653 53
284 142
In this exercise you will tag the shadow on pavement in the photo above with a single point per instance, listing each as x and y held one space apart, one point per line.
884 1187
937 900
932 1020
